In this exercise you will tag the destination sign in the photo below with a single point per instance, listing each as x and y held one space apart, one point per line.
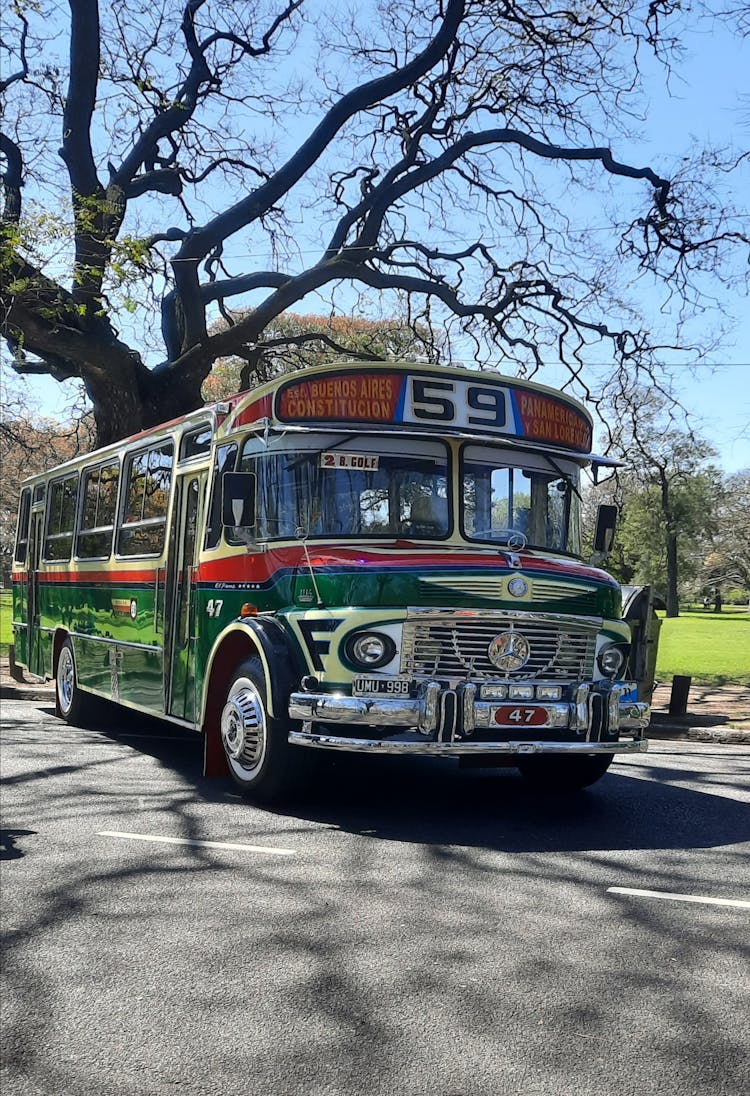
436 400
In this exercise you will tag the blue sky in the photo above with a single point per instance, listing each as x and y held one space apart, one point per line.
705 106
713 105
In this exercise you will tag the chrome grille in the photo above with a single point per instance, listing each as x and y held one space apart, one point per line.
456 647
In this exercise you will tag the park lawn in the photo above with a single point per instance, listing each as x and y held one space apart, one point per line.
712 648
6 616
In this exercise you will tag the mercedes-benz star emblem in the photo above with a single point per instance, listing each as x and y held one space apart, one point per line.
509 651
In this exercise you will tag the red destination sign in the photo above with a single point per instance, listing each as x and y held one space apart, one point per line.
354 397
546 419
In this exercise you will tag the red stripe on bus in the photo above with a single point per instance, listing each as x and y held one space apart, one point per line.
256 568
114 578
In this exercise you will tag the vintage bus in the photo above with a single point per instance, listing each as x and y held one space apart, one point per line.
375 557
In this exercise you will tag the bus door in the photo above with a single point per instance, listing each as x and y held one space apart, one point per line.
179 647
33 609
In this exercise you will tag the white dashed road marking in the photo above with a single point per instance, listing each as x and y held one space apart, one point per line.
266 850
680 897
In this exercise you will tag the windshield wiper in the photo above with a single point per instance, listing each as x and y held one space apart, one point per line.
556 468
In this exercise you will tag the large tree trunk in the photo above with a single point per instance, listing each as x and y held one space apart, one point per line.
673 605
127 404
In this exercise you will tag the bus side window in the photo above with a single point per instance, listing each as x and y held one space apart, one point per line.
61 513
225 458
22 534
148 483
98 511
197 443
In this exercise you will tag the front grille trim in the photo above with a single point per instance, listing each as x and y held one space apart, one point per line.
492 587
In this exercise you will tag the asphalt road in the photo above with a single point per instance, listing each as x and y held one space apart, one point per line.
407 929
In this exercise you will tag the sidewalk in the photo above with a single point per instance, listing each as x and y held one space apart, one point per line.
716 713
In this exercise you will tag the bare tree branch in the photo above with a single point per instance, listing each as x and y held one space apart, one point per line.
458 165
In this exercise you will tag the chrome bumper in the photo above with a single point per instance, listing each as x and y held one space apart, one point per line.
416 744
425 718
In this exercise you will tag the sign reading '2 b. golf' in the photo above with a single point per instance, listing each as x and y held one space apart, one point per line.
434 400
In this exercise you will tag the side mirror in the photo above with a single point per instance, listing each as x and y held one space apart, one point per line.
606 523
238 500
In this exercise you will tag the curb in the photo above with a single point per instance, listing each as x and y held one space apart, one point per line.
731 735
686 733
27 692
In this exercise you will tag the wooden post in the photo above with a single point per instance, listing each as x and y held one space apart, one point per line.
679 696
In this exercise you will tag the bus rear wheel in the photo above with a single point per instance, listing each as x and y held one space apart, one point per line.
563 774
72 704
256 745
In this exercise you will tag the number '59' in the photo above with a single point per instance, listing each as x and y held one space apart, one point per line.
436 401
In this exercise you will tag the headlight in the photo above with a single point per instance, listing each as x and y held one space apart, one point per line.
370 650
611 659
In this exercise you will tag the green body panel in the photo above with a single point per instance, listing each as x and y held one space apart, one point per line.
98 615
20 613
141 677
371 589
130 674
122 656
207 628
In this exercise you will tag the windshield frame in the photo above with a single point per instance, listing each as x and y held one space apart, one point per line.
520 460
317 442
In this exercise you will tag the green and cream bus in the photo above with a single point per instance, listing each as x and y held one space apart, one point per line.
372 557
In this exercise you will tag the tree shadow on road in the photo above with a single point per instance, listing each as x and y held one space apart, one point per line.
9 850
437 803
637 805
342 952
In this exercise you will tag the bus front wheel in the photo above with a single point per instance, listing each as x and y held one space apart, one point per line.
563 774
256 746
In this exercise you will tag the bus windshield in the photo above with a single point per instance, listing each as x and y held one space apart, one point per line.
505 493
319 485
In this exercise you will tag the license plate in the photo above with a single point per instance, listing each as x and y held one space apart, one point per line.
367 686
516 715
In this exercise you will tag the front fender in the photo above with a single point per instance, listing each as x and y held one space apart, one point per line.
280 657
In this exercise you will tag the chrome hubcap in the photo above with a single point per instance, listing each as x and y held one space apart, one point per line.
65 679
243 728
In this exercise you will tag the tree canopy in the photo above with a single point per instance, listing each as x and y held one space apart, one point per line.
669 491
292 342
726 553
457 161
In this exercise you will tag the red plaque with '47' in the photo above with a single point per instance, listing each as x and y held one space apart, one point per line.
511 715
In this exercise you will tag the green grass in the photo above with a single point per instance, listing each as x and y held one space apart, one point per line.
6 616
712 648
